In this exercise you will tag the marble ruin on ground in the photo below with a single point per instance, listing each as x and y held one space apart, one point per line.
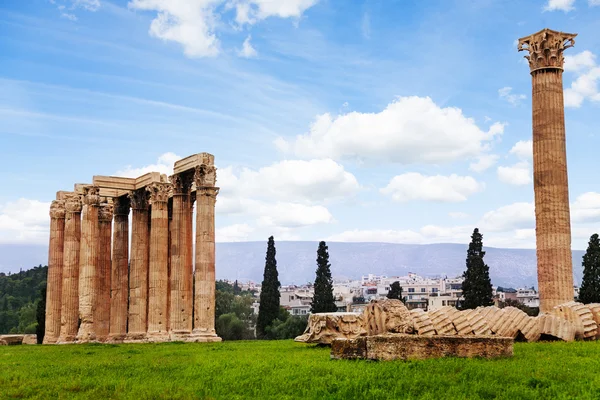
102 293
387 330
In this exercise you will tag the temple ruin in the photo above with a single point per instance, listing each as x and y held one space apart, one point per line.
102 288
550 182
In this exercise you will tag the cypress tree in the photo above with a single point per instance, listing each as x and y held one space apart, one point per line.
395 291
268 309
323 300
590 286
40 316
476 287
236 288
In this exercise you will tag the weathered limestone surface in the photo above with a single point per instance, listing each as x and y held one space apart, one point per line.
459 320
552 214
55 271
323 328
595 310
204 303
556 327
580 316
102 307
158 278
441 322
30 339
388 315
69 315
422 323
477 322
181 304
88 265
138 273
389 347
119 270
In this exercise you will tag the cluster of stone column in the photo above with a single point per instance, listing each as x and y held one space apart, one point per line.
101 291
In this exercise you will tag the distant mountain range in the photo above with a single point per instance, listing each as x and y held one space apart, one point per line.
296 261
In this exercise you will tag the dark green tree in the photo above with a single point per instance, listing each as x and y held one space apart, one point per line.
40 315
395 291
590 285
476 287
323 300
268 308
236 288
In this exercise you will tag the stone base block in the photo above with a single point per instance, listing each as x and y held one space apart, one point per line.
203 337
413 347
179 336
30 339
157 337
323 328
11 340
135 338
116 339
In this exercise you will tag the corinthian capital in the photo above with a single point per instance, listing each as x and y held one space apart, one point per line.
182 183
159 192
91 195
105 212
57 209
546 48
121 205
73 203
211 192
139 199
205 175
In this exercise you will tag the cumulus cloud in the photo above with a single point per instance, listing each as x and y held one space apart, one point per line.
414 186
562 5
513 216
506 94
518 174
247 50
409 130
164 165
426 234
484 162
24 221
523 149
585 85
194 23
233 233
586 208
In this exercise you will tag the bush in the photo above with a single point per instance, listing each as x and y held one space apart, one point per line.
292 327
31 328
229 327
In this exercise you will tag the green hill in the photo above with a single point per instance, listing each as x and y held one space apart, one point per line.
19 295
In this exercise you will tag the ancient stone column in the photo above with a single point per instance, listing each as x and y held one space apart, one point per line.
204 302
102 308
552 215
55 271
138 275
88 264
180 311
69 315
158 278
119 270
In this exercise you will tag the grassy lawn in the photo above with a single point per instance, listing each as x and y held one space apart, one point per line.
288 370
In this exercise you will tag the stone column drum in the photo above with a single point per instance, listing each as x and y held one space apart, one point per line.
88 265
158 278
138 275
55 271
119 281
180 310
102 309
69 315
552 214
204 303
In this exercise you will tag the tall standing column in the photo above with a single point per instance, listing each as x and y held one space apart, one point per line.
180 311
55 271
119 270
552 214
159 257
102 308
88 264
206 195
138 276
69 315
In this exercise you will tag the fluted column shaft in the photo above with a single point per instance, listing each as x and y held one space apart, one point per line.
55 271
138 276
119 270
553 222
69 315
180 312
102 309
88 265
159 257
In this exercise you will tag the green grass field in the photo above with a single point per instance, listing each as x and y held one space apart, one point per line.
288 370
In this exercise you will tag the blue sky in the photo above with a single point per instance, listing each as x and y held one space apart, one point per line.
375 120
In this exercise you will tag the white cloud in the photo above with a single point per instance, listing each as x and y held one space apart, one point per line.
426 234
513 98
164 165
458 215
247 50
71 17
586 208
90 5
365 25
24 221
518 174
563 5
585 85
414 186
292 215
483 162
523 149
410 130
593 3
233 233
194 23
513 216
